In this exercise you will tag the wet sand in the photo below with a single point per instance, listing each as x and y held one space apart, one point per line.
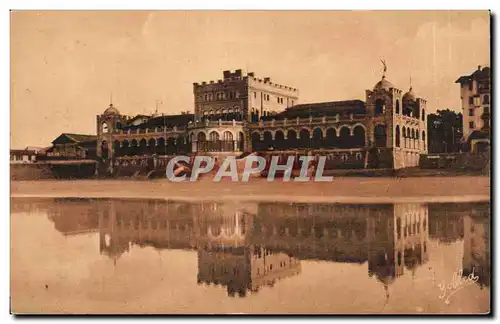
342 190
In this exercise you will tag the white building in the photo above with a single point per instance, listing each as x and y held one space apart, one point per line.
475 93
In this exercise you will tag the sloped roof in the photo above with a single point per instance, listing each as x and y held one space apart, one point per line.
76 138
167 120
479 74
20 151
477 135
330 108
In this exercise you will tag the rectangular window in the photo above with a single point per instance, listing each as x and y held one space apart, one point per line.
255 95
471 124
471 100
486 109
471 112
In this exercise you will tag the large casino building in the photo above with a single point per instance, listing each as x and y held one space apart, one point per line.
243 113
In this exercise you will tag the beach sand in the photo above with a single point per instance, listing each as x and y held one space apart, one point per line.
342 190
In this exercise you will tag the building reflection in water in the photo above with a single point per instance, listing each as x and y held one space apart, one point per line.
476 257
244 247
469 223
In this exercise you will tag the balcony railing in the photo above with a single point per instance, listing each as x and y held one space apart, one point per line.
307 120
215 123
218 146
156 130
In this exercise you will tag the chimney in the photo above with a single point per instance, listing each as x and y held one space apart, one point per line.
227 74
251 74
238 73
479 67
267 79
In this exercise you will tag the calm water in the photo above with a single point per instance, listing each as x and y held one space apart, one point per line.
153 256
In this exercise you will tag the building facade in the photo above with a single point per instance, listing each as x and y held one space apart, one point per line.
245 248
475 95
22 156
72 146
243 113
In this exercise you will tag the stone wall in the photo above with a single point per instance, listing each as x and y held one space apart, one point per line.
31 171
465 161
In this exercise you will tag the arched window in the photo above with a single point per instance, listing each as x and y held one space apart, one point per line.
423 114
214 136
359 136
268 139
398 137
380 136
279 139
201 137
241 139
142 146
331 137
304 137
256 145
171 146
104 149
317 138
116 147
397 106
486 100
344 137
125 147
407 109
227 141
227 136
292 138
379 107
423 136
105 128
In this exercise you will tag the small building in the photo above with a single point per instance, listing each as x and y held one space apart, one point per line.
23 156
73 146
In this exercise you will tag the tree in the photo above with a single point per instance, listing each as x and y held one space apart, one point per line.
445 131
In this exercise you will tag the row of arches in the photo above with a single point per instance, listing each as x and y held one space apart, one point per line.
411 138
409 109
215 142
224 114
159 146
333 138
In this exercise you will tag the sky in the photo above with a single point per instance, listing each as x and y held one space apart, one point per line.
66 65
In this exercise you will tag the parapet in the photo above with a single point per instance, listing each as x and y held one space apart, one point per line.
267 82
238 75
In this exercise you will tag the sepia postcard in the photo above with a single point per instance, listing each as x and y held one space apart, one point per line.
250 162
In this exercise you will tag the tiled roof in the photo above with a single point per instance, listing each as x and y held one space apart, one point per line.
330 108
479 74
77 138
167 120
